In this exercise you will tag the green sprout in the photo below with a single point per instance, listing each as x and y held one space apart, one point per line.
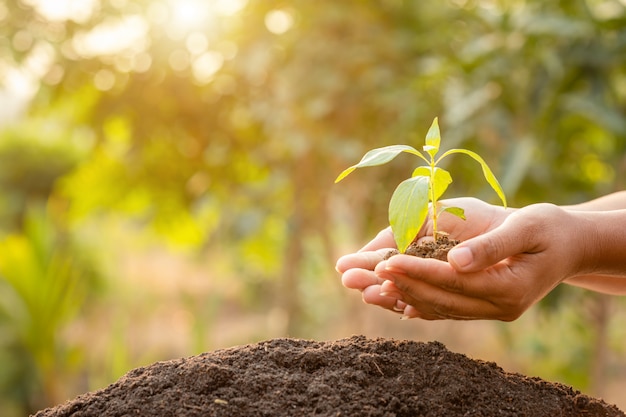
409 205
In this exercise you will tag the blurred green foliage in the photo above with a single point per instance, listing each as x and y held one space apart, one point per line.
46 280
220 125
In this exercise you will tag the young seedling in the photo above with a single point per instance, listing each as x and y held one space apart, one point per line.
409 205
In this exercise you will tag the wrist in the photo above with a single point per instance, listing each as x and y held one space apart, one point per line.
601 241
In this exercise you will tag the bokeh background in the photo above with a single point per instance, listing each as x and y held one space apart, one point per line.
167 167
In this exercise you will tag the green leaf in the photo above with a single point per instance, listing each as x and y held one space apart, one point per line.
408 209
457 211
421 171
441 180
433 138
491 179
380 156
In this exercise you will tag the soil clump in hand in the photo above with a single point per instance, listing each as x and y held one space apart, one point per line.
429 249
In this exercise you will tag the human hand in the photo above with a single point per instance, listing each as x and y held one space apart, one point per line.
495 275
357 269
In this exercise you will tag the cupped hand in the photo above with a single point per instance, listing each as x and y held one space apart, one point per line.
358 269
495 275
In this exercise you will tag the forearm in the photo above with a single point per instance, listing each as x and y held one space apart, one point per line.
604 242
601 248
607 284
614 201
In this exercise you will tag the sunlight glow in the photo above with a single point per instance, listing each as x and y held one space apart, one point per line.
190 12
61 10
112 37
190 15
278 21
206 65
229 7
124 41
19 83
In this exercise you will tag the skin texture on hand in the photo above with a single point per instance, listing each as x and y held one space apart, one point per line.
508 260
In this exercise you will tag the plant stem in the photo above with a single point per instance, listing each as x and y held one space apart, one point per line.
433 197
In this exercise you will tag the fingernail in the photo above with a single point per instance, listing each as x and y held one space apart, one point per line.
405 317
394 270
392 294
460 257
400 306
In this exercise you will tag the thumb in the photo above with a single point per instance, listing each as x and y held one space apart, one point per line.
488 249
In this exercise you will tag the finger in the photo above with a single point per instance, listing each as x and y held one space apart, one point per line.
384 239
372 295
360 279
363 260
400 306
437 291
413 313
519 233
410 312
492 283
483 251
480 217
388 289
434 303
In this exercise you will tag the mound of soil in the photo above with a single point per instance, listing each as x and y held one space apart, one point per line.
349 377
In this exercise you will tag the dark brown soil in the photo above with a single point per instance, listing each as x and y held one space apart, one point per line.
431 249
348 377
